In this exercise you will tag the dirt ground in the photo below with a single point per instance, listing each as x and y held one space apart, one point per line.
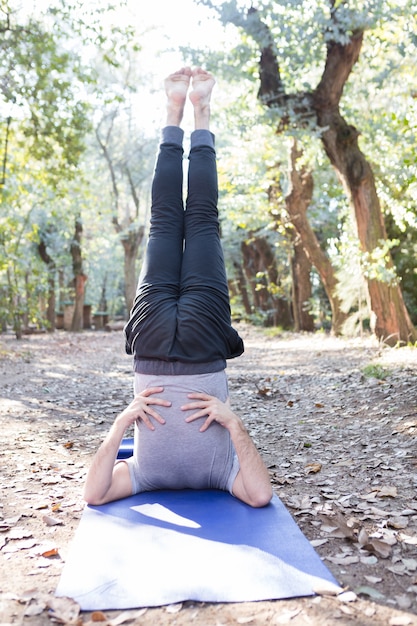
335 421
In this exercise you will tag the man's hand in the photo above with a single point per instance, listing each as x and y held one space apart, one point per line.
213 409
141 409
252 484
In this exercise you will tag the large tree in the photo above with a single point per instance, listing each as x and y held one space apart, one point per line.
129 160
44 122
40 79
298 198
319 109
49 91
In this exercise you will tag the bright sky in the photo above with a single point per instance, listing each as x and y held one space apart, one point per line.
177 23
171 24
161 25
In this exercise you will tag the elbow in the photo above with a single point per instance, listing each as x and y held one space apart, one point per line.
92 498
261 498
91 501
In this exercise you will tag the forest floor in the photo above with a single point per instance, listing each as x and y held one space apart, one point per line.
335 421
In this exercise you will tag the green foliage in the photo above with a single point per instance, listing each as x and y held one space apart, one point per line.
375 370
73 68
404 255
47 77
244 207
379 98
41 81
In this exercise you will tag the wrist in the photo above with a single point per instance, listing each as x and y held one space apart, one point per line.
121 423
236 426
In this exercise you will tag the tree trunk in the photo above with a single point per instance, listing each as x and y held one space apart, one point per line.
242 288
131 244
51 269
297 201
392 323
131 237
340 141
16 306
301 287
61 289
79 277
260 268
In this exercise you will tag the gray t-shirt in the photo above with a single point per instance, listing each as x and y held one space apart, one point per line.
176 455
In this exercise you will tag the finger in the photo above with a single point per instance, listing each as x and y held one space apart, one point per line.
151 390
156 416
194 405
206 424
158 401
196 416
145 419
199 396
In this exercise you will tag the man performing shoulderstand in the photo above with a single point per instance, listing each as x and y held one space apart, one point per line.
180 334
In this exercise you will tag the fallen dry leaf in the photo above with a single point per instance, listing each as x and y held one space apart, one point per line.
400 620
373 579
343 560
387 492
369 611
127 616
410 564
50 480
316 543
341 527
346 610
378 546
34 608
404 601
48 553
9 523
19 533
398 522
357 438
51 521
312 468
347 596
98 616
370 592
326 588
64 610
42 505
408 539
287 616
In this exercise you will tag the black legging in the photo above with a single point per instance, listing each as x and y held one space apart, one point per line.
181 310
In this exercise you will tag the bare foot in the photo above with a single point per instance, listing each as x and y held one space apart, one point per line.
203 83
176 87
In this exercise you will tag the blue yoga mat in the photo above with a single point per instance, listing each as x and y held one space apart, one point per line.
164 547
126 448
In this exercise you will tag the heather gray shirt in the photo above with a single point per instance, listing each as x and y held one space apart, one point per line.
176 455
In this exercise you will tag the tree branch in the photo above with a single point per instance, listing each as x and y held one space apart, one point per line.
108 159
269 72
340 59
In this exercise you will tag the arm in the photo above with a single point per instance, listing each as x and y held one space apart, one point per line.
252 484
107 480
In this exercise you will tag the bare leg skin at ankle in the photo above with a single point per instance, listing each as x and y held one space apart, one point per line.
176 88
200 96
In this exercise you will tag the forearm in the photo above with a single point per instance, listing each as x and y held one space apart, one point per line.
100 475
253 477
